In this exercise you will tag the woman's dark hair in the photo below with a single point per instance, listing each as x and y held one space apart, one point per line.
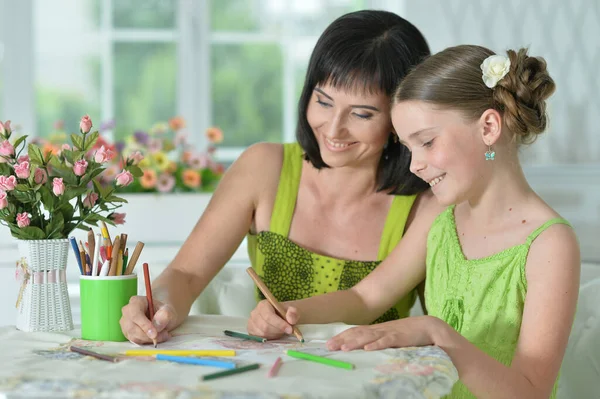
372 51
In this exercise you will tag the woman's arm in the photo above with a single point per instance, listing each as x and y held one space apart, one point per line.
212 242
553 267
399 273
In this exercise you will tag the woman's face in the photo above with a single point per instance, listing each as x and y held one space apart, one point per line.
351 128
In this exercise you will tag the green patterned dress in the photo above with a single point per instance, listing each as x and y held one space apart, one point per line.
292 272
482 299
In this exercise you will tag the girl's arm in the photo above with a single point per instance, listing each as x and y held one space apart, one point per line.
399 273
552 272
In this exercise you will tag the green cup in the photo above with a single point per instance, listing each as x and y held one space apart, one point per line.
102 299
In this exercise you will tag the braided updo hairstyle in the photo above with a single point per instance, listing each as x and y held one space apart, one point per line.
452 79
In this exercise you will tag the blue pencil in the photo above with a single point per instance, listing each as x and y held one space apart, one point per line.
76 250
197 360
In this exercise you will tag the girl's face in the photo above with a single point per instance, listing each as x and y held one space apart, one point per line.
351 128
447 150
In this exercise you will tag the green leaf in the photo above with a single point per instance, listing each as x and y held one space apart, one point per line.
69 156
48 198
56 224
135 171
18 142
23 187
90 140
77 141
114 198
5 170
73 192
35 154
33 233
23 197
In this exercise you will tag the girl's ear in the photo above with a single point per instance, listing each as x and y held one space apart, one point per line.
491 123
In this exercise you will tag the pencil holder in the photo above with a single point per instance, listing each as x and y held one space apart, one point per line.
43 300
102 299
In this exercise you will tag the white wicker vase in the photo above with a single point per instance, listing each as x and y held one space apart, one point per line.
43 300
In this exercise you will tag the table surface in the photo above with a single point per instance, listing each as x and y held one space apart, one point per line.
41 365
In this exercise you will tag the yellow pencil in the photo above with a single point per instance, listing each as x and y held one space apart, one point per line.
120 263
175 352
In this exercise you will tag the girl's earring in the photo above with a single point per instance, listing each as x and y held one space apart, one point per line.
489 154
395 138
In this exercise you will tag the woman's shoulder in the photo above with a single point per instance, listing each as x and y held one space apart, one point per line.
425 210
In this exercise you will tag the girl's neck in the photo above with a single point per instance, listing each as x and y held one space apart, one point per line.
504 189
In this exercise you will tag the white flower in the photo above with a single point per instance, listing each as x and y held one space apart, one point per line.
494 68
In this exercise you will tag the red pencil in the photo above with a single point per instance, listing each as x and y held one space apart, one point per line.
149 296
275 368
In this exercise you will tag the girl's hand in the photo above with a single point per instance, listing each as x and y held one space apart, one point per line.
412 331
138 328
265 322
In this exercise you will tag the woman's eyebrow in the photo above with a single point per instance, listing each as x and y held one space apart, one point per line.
372 108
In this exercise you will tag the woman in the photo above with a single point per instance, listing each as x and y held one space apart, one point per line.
322 213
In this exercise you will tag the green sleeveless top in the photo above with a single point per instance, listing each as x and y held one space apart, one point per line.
483 299
292 272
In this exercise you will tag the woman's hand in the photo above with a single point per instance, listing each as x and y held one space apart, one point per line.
265 322
412 331
138 328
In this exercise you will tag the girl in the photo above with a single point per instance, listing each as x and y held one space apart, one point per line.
502 266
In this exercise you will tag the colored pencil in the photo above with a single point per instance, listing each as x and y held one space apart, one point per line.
125 257
197 361
95 259
272 300
320 359
76 250
230 372
93 354
91 242
180 352
274 368
149 296
115 257
120 263
236 334
134 257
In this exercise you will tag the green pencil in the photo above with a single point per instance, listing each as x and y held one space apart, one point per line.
236 334
320 359
225 373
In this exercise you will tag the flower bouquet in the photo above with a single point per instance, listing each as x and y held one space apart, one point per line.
45 194
168 162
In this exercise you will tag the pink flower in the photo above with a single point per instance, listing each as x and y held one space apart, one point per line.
198 161
58 187
86 124
65 147
136 157
214 135
80 167
103 155
3 200
90 200
23 158
6 149
165 183
124 178
5 128
40 176
22 170
23 219
118 218
8 183
155 145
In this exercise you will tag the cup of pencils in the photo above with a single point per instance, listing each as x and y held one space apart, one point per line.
107 282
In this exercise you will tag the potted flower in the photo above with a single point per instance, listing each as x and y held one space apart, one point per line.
45 194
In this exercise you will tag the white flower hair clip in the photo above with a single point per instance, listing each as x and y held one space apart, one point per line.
494 68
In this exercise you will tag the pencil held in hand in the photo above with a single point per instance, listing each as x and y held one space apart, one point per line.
149 297
272 300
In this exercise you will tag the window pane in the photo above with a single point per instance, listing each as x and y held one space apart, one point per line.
247 93
303 17
153 14
145 85
67 65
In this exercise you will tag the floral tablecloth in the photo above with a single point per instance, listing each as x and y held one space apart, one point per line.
40 365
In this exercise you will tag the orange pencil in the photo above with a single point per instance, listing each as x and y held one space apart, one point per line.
149 296
272 300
